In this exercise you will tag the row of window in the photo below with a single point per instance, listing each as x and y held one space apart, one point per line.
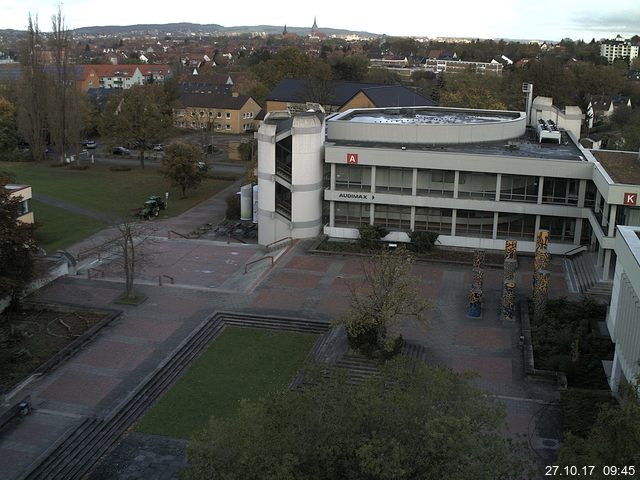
516 188
469 223
227 115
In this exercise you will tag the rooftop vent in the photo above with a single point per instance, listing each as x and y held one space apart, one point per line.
547 130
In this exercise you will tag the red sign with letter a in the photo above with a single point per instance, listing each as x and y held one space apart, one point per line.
352 158
630 198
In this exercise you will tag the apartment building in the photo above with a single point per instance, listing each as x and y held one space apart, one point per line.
618 48
232 113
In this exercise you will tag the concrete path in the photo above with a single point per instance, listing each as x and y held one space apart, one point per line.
209 277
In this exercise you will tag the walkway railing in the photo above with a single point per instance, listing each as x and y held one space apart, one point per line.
175 233
573 251
246 267
272 245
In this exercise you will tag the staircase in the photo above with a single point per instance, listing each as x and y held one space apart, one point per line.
584 278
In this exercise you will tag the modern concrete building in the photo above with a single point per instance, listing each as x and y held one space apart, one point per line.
623 319
290 176
476 177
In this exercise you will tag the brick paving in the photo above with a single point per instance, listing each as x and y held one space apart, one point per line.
300 284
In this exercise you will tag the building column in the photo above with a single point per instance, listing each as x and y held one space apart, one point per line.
332 214
600 255
606 265
616 371
596 206
456 183
494 234
577 234
605 214
582 193
540 189
414 183
372 213
412 225
454 219
332 181
537 228
498 186
613 210
373 179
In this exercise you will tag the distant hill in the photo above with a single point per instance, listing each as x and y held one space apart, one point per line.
189 29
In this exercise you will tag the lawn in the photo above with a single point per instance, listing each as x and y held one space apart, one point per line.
242 363
59 228
98 188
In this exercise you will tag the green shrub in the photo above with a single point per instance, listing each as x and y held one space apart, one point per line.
370 236
422 242
233 207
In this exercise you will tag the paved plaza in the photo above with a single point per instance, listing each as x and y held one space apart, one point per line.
208 276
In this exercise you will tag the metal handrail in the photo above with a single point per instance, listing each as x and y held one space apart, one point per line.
99 249
578 249
258 260
177 233
267 247
171 279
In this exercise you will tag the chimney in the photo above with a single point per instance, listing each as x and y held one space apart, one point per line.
235 94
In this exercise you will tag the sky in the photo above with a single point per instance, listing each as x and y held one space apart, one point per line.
513 19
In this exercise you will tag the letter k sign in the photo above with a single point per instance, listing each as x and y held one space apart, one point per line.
630 198
352 158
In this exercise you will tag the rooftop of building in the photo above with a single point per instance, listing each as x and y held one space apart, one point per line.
622 167
424 116
525 146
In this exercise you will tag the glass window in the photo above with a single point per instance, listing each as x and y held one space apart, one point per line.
477 185
561 229
219 115
516 226
438 183
228 127
562 191
519 188
351 214
392 217
474 223
433 220
353 177
227 115
392 179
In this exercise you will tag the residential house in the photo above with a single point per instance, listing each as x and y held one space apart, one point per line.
603 106
223 113
619 48
294 93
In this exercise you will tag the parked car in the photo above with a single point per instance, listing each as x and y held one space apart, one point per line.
158 147
121 151
89 144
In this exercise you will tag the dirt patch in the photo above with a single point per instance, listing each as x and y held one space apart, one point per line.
29 338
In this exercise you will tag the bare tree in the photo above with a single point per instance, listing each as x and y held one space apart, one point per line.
32 98
66 118
129 251
387 293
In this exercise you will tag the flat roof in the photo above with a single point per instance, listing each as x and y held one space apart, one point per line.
428 116
525 146
622 167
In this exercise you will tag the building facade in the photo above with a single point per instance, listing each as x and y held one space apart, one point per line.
217 112
623 319
475 177
24 194
618 48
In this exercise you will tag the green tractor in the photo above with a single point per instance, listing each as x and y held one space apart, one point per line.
151 208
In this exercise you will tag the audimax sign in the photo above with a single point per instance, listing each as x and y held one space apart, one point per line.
355 196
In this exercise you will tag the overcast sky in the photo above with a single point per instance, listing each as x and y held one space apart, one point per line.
517 19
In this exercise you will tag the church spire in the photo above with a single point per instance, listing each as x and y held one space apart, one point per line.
284 32
315 24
